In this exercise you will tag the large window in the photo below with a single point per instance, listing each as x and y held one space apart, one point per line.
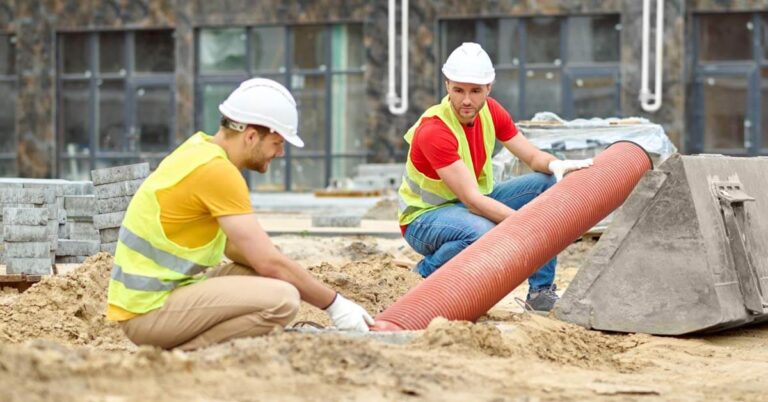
115 96
566 65
730 84
7 105
322 66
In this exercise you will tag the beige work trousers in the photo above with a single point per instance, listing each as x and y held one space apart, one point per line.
233 302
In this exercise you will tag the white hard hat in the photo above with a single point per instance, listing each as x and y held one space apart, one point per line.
263 102
469 63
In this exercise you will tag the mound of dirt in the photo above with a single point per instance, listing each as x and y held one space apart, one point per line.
374 282
383 210
67 308
568 344
463 336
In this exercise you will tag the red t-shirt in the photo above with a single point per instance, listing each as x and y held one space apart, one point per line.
434 146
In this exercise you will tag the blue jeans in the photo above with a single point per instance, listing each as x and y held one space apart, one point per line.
440 234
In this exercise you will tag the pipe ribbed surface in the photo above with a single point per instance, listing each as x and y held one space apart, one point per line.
482 274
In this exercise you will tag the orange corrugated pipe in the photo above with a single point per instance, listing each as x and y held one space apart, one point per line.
481 275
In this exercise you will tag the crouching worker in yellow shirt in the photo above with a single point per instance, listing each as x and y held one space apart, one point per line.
193 210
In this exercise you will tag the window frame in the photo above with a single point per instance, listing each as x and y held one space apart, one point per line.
750 69
11 156
566 69
288 74
131 80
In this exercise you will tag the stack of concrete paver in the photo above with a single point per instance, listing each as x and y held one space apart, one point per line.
27 241
78 238
30 229
114 188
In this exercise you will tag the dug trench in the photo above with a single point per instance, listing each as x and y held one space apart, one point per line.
55 344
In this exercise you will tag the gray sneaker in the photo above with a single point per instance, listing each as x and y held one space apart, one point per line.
543 300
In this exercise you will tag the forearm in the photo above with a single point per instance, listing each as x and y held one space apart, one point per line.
311 290
489 208
540 162
281 267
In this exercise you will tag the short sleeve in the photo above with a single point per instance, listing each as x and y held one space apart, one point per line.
223 190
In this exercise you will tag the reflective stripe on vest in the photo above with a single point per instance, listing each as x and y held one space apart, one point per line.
419 193
141 282
160 257
148 265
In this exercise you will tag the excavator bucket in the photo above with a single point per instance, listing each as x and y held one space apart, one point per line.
686 253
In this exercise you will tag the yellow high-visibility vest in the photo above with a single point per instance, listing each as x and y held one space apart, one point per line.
418 193
148 266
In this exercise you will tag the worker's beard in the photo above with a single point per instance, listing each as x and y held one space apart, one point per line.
467 116
259 162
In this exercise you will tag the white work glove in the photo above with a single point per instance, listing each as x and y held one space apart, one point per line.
348 315
560 168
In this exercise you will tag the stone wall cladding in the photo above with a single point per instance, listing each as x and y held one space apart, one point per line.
36 23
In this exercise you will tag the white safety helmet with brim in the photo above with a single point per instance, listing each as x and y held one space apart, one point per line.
263 102
469 63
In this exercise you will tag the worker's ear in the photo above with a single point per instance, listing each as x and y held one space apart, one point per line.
447 82
251 134
490 86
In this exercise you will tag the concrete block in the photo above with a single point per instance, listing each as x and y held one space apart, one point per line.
71 259
119 189
28 250
16 233
54 240
108 247
64 231
82 231
53 228
351 221
30 266
80 205
25 216
119 173
109 235
116 204
110 220
79 187
77 247
53 211
37 196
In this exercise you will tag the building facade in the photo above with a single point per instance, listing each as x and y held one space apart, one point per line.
95 83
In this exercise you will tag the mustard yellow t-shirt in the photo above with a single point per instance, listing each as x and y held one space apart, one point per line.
188 210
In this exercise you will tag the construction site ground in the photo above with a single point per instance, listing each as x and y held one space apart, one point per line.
55 344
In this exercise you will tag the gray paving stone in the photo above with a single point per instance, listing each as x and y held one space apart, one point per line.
25 216
63 231
70 259
53 228
28 249
115 204
109 235
82 231
108 247
77 247
80 205
53 210
30 266
119 173
110 220
16 233
119 189
36 196
336 220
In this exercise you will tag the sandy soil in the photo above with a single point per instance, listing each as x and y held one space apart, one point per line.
56 345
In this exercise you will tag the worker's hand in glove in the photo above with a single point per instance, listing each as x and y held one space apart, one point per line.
560 168
348 315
